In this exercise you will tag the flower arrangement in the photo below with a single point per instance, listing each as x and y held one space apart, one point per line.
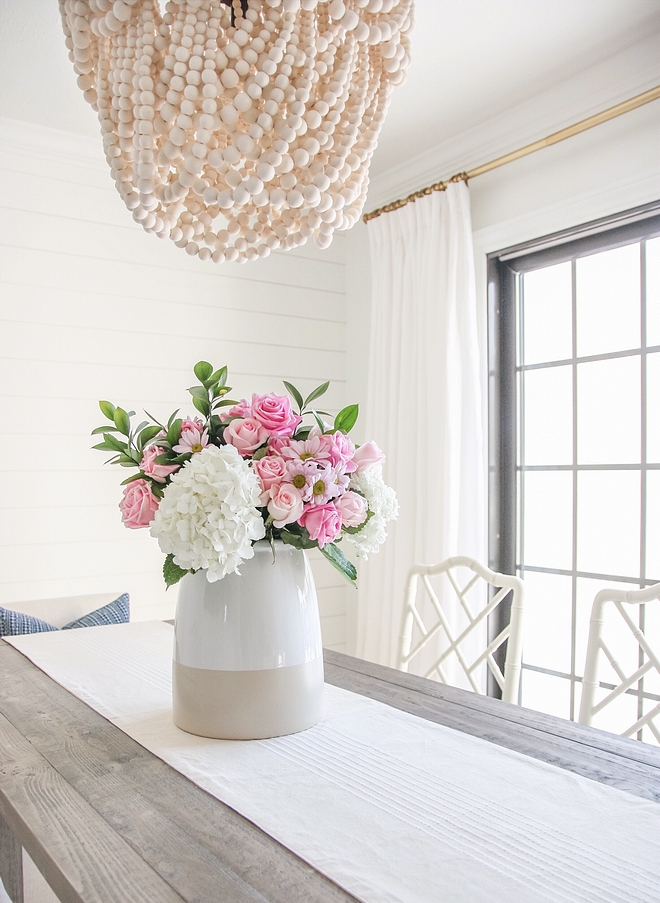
210 487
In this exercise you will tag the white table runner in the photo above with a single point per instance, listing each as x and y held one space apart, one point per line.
389 806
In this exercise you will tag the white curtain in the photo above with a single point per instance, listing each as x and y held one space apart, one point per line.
425 402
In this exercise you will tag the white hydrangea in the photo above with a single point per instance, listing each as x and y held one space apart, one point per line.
208 516
382 501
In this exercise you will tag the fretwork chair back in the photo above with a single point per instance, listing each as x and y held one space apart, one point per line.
508 681
605 602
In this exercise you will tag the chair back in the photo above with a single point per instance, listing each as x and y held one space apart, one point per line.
619 601
59 612
508 681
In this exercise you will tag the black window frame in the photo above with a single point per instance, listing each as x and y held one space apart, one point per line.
503 272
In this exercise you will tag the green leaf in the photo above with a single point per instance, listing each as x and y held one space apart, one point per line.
303 433
114 443
136 476
174 431
345 419
158 421
295 394
170 421
260 453
321 390
224 403
219 377
299 540
103 429
157 489
338 560
202 370
202 406
172 573
103 446
148 433
361 526
199 392
163 459
319 421
121 421
107 409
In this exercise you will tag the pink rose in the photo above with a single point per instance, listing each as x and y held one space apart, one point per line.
286 505
274 412
157 471
245 435
353 509
341 450
271 470
323 523
368 455
138 505
193 437
242 409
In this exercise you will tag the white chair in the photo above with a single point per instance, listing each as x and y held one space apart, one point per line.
59 612
595 644
510 680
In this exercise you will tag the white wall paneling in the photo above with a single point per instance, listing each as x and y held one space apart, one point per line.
91 307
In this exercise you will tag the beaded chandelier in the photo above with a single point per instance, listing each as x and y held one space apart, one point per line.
235 128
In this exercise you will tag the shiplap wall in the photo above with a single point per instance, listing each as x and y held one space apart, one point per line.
91 307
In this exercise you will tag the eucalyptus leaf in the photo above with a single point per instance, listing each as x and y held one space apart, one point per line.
320 390
338 560
114 443
202 406
219 377
295 394
121 421
174 431
149 433
107 409
321 424
136 476
202 370
346 418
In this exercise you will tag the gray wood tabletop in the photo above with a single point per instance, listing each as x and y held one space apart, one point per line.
106 821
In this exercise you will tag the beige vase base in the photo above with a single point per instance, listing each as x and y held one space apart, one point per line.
247 705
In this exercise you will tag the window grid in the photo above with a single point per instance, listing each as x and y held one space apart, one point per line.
643 467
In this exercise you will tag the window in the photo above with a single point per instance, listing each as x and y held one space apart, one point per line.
574 348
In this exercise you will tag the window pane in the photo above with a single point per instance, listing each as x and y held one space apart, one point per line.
608 301
609 412
547 623
653 408
546 693
549 416
608 522
547 314
548 507
653 292
653 525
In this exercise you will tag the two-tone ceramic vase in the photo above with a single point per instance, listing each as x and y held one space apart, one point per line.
248 656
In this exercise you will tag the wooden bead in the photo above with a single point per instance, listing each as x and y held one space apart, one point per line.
274 122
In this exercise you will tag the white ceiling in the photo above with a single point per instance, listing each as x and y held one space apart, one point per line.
471 59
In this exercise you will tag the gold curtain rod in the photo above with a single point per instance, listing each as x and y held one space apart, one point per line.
582 126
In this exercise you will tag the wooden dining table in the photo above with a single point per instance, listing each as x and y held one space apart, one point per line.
106 821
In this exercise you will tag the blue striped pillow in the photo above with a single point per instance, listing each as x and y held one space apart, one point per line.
15 623
116 612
